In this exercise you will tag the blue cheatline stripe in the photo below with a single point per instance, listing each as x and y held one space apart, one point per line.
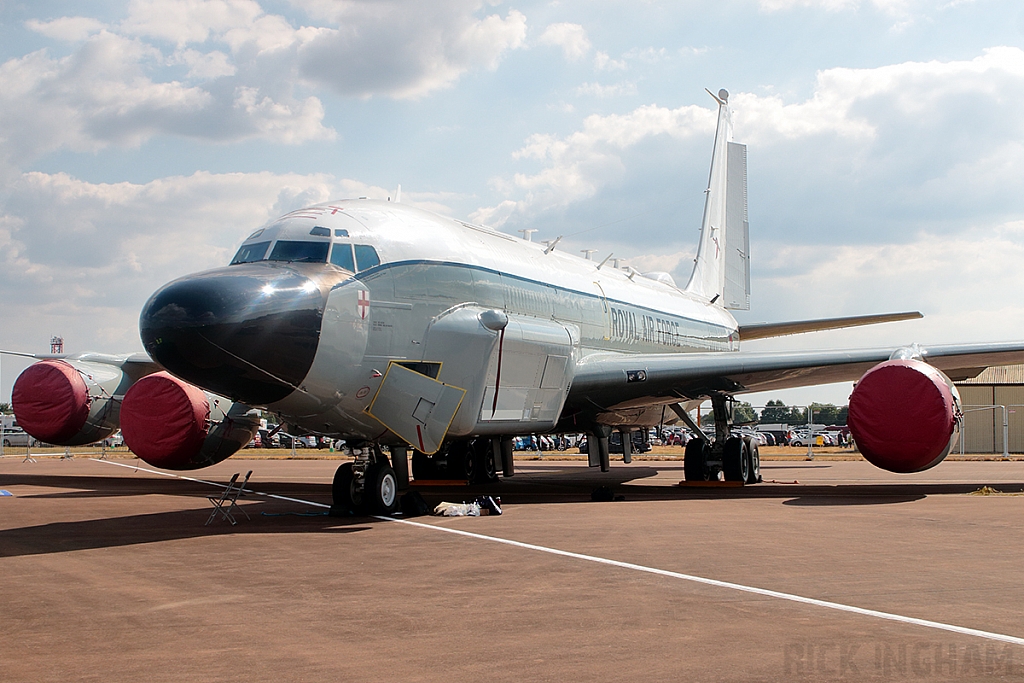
888 616
575 292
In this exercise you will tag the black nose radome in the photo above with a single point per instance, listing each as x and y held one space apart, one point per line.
248 332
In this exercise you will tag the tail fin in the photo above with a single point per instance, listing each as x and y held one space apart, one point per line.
721 271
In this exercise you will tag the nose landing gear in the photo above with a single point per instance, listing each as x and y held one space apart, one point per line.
367 485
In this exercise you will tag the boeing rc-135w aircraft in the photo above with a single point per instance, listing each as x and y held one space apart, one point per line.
398 329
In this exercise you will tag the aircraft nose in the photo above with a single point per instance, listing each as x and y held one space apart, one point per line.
248 332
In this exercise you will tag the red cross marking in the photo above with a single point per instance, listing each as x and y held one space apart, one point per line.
363 303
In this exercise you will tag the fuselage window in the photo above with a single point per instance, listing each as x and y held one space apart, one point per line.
366 257
342 256
319 231
302 252
251 252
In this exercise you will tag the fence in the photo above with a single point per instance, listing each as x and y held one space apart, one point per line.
992 429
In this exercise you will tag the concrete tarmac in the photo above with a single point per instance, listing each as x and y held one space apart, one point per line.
108 573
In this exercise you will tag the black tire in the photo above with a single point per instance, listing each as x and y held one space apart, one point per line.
461 461
343 490
754 472
485 468
695 460
7 443
735 459
381 491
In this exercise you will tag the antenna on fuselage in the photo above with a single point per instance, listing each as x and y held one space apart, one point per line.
398 194
587 252
605 260
528 233
550 244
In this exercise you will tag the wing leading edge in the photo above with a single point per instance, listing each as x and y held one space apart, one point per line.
609 380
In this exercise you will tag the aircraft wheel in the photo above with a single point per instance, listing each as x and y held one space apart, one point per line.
754 472
488 470
462 463
343 491
736 459
381 491
485 467
695 460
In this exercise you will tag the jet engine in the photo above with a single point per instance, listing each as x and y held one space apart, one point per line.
69 402
177 426
904 415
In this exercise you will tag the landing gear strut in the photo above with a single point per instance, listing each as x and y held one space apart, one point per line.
367 485
736 457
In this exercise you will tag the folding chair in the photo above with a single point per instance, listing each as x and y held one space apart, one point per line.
227 501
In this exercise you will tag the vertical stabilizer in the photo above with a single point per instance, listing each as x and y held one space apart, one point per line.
721 271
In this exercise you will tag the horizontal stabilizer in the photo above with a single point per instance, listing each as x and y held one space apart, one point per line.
767 330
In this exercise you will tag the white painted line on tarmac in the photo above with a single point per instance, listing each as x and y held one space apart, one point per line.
211 483
723 584
889 616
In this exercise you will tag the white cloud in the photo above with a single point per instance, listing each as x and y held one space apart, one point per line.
188 21
602 62
572 38
115 89
406 50
943 133
576 166
102 95
600 90
965 284
69 29
205 66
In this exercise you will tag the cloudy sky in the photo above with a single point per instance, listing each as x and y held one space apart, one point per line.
143 140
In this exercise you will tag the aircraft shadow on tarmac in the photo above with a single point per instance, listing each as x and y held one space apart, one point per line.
552 486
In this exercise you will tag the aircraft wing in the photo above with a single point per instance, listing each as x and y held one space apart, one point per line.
609 380
135 365
766 330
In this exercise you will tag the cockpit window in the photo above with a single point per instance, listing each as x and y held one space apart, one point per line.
302 252
340 232
342 256
320 231
251 252
366 257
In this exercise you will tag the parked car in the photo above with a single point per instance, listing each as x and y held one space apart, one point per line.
802 439
115 440
640 444
675 436
18 437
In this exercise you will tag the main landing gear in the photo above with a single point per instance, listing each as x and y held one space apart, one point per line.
477 461
736 457
367 485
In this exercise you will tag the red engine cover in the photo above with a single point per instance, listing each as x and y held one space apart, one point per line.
164 420
902 415
51 401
